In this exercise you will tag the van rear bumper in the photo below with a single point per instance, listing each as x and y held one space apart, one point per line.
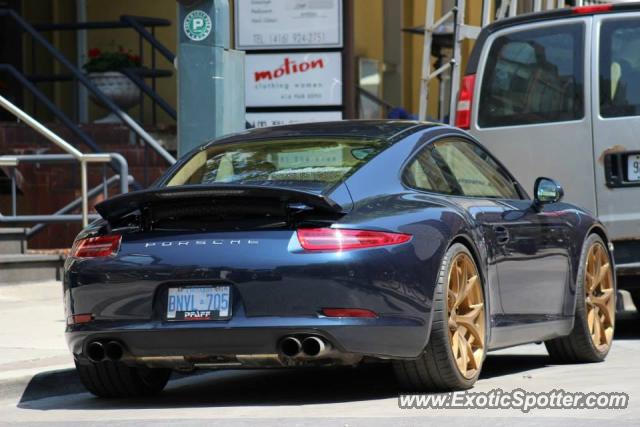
629 269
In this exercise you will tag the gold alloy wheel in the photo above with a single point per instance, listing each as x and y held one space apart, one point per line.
600 301
465 311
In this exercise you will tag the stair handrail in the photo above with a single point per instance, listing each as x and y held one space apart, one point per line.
79 156
109 104
132 75
138 24
71 206
133 22
57 113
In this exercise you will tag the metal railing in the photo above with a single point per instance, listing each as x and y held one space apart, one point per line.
137 77
73 155
102 188
86 82
59 114
139 24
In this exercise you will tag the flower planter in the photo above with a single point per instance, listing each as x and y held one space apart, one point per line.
118 88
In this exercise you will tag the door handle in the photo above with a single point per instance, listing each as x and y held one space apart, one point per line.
502 235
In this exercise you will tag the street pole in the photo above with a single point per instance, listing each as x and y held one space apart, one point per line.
349 62
210 74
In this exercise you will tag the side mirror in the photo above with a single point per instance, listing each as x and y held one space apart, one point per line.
547 190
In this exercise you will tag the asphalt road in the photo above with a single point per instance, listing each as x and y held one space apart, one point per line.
366 396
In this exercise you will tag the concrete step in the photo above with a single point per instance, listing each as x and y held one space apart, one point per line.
13 241
30 268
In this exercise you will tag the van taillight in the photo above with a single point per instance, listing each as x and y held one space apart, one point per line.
596 8
465 101
95 247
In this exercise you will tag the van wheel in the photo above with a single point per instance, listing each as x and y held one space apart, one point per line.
592 334
115 379
635 296
454 355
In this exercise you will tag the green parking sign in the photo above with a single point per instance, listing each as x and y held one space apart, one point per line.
197 25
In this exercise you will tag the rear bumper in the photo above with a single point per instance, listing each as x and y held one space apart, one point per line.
388 337
276 290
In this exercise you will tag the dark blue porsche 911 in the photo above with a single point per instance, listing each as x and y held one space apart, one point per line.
333 244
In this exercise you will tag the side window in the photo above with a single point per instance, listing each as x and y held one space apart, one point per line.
474 170
534 76
620 68
427 173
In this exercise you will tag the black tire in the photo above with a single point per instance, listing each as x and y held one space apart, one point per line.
115 379
435 369
578 347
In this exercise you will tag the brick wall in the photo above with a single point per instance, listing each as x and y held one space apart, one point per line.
47 188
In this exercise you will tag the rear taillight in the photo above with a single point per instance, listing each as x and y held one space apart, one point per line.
465 101
94 247
333 239
596 8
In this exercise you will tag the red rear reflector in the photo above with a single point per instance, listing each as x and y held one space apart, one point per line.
94 247
598 8
465 101
348 312
335 239
79 318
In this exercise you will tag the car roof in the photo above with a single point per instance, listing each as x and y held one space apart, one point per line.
530 18
378 129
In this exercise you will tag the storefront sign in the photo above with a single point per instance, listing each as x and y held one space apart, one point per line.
288 24
293 79
260 120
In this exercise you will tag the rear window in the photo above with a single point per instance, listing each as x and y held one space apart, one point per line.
620 68
534 76
306 163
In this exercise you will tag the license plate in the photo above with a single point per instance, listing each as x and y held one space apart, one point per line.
633 167
194 303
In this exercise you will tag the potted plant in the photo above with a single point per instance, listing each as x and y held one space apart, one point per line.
103 69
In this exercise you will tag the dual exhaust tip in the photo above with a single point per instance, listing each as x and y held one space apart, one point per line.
98 351
310 346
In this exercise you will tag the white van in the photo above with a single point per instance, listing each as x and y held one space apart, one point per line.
558 94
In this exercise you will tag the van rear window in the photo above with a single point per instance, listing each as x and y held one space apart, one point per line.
620 68
534 76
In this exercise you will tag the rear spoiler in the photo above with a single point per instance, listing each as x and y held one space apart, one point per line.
123 204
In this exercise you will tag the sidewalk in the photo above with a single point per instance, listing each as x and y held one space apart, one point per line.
32 337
